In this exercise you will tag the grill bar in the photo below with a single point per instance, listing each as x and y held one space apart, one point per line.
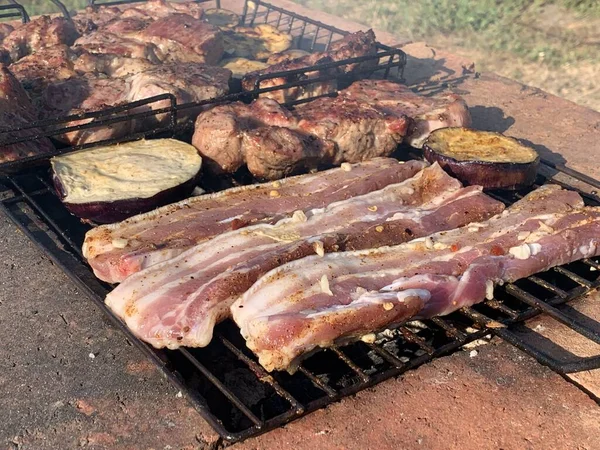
554 313
355 366
18 11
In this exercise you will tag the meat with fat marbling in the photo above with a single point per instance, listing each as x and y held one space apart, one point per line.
119 250
178 302
288 312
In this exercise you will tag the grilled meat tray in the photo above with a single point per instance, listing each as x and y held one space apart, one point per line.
225 382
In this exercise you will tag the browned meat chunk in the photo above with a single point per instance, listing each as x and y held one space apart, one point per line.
352 46
181 38
48 65
101 42
275 142
16 110
428 113
111 65
40 33
368 119
84 94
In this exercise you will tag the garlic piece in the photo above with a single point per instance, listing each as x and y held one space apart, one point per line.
379 229
388 306
276 184
372 208
325 285
489 290
346 167
319 249
119 243
429 243
521 251
523 235
368 338
274 194
299 216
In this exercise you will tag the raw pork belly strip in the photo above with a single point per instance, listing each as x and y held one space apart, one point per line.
118 250
177 302
315 301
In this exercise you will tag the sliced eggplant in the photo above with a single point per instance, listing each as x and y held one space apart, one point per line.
108 184
222 18
257 43
241 66
485 158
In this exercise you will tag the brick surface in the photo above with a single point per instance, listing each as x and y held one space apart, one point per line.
54 395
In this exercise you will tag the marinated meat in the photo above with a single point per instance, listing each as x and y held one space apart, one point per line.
111 65
166 232
46 66
219 131
368 119
181 38
188 82
288 312
178 302
427 113
82 94
16 110
351 46
102 42
40 33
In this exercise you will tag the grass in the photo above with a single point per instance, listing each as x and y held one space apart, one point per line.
35 7
538 42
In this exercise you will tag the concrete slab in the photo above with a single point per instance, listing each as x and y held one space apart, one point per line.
53 394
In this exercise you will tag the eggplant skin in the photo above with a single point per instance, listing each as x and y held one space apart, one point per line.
490 175
118 210
502 173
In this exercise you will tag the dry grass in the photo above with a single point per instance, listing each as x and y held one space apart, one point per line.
551 45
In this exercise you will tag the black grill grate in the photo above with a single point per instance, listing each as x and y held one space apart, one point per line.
309 34
14 10
238 397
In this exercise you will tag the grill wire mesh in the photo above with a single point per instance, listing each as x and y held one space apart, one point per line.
224 381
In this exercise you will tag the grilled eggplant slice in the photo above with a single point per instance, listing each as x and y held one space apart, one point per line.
109 184
241 66
257 43
222 18
488 159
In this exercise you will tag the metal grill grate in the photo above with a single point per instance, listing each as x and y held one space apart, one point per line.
238 397
224 381
310 35
14 9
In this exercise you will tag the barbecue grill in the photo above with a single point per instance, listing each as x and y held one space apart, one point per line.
224 381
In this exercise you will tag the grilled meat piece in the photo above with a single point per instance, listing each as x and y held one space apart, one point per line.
101 42
40 33
46 66
111 65
158 9
219 131
358 130
370 118
125 26
351 46
427 113
181 38
91 19
188 82
93 91
5 30
82 94
16 110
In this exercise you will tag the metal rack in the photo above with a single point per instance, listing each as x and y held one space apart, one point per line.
14 9
310 35
224 381
238 397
